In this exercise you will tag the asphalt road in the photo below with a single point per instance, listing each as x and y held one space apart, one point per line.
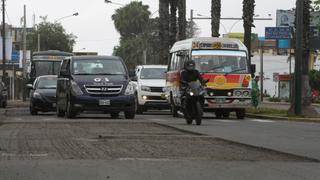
155 146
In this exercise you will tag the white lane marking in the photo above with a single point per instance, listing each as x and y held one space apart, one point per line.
142 159
228 121
163 120
261 120
31 155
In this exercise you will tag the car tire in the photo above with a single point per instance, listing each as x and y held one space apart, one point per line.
226 115
70 112
4 104
114 115
33 111
129 114
219 114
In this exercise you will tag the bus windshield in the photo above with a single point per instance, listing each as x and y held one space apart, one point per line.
46 68
220 61
98 67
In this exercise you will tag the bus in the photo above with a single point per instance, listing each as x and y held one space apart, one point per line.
46 63
224 63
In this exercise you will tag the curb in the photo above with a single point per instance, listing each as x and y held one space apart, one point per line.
279 118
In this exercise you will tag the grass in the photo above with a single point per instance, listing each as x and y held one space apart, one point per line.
268 111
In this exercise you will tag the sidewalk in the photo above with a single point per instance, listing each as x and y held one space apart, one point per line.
282 106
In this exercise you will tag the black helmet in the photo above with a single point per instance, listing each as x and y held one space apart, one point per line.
189 65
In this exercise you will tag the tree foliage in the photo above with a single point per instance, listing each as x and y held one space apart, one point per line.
52 37
314 76
136 28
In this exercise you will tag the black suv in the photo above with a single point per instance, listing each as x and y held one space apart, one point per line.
94 83
3 95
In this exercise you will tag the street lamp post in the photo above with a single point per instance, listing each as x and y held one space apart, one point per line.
74 14
111 2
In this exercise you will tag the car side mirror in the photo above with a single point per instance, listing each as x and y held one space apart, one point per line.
253 68
29 86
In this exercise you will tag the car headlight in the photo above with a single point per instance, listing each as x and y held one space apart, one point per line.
129 90
36 95
75 89
191 93
145 88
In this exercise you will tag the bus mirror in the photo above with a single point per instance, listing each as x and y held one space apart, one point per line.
253 68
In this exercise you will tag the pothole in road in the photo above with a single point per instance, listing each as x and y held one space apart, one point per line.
122 140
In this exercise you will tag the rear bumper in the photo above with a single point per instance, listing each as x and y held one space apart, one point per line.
91 103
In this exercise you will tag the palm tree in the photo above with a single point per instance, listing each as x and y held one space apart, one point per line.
182 22
248 13
173 21
215 17
164 31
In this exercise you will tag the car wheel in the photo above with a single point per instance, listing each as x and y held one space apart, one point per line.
129 114
4 104
114 115
139 109
218 114
33 111
70 112
226 115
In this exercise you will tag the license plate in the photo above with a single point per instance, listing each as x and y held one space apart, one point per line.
220 100
104 102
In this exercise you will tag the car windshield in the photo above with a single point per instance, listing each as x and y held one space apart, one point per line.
98 67
47 83
220 61
153 73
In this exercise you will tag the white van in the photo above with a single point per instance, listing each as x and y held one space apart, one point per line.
151 80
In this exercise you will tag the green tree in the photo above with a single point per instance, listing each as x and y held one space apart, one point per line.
314 79
215 17
173 22
164 31
52 37
248 13
132 22
182 22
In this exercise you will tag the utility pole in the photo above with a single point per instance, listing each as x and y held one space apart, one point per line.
299 58
24 54
191 22
39 42
4 42
261 70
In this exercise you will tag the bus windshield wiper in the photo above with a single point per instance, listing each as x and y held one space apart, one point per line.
236 70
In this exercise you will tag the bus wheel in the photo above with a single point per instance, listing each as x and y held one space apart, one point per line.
241 113
218 114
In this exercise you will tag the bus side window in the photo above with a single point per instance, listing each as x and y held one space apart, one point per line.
172 62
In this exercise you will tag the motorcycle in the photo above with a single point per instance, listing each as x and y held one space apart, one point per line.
193 101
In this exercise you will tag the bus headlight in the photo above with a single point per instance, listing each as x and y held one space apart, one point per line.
246 93
238 93
129 90
75 89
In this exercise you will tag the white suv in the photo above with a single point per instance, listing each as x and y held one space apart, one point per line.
151 80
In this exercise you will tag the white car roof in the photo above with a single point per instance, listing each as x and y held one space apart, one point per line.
153 66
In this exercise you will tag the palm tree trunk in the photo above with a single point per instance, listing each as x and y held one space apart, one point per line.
164 31
182 19
248 13
173 22
215 17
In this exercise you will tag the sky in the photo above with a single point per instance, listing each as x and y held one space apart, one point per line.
95 29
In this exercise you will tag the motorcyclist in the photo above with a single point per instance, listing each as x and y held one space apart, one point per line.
190 74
